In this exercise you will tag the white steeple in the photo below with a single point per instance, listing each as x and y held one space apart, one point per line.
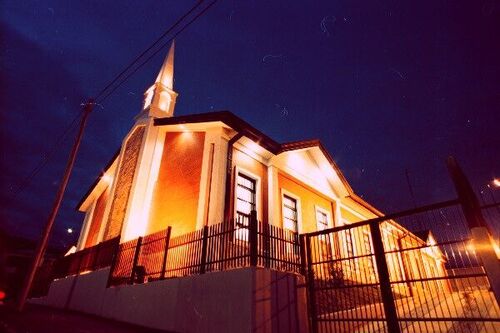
159 99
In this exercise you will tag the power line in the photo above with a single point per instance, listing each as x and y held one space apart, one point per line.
45 158
137 58
27 180
158 50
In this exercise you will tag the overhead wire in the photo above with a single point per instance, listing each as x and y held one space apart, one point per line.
158 50
99 96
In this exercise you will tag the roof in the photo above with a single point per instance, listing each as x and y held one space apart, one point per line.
96 181
241 126
231 120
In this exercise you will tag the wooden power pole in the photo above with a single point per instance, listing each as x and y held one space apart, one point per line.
40 250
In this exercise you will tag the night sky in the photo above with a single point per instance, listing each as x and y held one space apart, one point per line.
386 87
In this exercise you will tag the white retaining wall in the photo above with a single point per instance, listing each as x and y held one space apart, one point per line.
240 300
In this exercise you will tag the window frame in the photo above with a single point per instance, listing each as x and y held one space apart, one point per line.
328 241
329 220
350 250
295 197
258 193
368 245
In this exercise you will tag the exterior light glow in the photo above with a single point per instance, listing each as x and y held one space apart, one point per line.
296 162
496 182
69 230
253 146
107 178
149 97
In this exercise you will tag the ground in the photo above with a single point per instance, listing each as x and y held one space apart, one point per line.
39 319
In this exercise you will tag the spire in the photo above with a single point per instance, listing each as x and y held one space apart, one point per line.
166 75
159 99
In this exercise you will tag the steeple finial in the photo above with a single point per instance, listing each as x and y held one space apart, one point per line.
159 99
166 75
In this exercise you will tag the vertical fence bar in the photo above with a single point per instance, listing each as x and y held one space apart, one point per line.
165 253
252 228
384 279
266 228
136 258
303 267
79 263
116 249
96 256
311 294
477 225
204 245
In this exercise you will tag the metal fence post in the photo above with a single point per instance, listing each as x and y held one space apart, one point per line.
114 257
136 259
252 228
477 225
303 261
78 270
266 229
384 279
311 294
96 256
204 244
165 252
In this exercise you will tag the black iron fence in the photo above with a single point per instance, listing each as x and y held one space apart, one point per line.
428 269
214 248
377 275
89 259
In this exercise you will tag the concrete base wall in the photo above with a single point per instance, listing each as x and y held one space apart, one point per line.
241 300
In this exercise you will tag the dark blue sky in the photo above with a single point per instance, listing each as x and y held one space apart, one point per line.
385 86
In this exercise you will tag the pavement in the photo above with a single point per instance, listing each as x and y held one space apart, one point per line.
41 319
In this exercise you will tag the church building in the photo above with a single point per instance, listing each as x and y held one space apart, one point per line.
186 173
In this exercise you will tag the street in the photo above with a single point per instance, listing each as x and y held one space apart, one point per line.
38 319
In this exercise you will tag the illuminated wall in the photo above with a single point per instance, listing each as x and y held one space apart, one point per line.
126 173
349 216
97 217
176 193
309 199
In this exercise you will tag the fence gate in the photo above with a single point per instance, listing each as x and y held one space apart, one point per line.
415 271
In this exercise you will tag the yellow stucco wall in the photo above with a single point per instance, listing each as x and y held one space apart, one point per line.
349 216
309 199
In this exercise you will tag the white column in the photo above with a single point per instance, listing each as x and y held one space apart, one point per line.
273 196
206 178
137 215
85 227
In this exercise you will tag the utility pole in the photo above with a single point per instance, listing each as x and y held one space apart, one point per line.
40 250
482 238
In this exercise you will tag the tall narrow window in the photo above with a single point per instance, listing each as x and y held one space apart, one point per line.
352 262
321 219
368 250
349 244
322 222
245 198
290 215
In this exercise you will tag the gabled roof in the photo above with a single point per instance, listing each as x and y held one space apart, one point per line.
244 128
96 181
241 126
228 118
